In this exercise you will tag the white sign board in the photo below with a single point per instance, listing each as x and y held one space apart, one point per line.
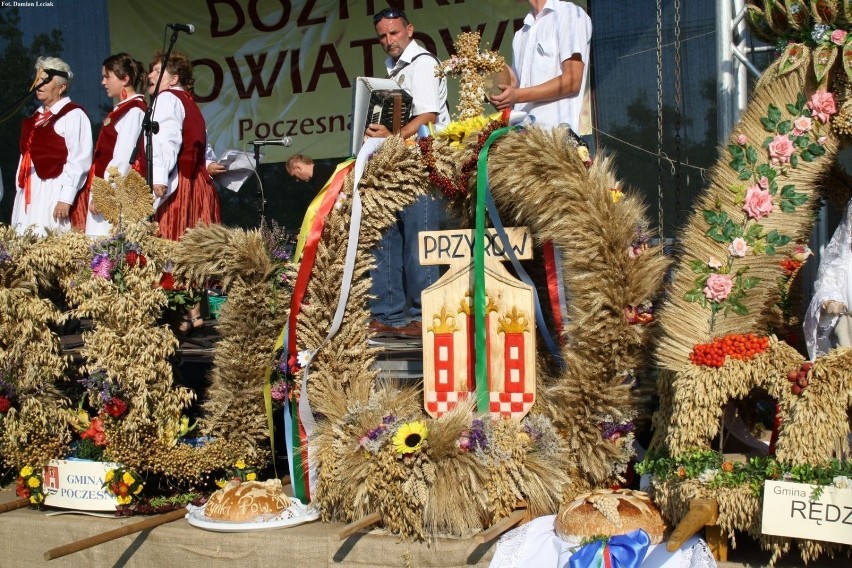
78 484
788 510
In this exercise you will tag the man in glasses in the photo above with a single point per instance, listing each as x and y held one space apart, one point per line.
550 62
414 69
398 278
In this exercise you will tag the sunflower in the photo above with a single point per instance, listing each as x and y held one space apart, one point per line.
410 437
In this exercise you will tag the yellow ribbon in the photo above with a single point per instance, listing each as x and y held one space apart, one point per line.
313 207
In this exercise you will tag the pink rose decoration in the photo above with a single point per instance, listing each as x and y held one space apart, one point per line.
838 37
763 182
741 139
780 149
718 287
821 140
758 202
738 247
822 105
714 263
801 125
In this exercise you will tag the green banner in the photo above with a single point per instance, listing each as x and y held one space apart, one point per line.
276 68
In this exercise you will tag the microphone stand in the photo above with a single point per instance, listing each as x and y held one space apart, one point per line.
261 198
149 126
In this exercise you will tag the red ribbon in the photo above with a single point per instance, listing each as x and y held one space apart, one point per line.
300 287
25 175
310 252
553 285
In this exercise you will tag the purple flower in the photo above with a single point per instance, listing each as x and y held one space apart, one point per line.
282 366
279 392
474 438
102 265
7 389
374 433
281 254
612 431
98 384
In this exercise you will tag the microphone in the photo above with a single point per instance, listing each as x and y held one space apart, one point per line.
286 141
51 73
188 28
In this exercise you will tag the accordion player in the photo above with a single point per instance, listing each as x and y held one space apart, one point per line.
378 101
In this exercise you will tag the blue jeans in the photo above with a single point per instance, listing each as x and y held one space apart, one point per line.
398 278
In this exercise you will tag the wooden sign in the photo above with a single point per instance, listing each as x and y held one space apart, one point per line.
456 247
789 510
448 325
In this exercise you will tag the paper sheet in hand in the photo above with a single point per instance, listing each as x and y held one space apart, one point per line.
240 166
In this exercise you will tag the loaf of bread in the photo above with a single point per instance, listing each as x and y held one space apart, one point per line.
609 512
247 501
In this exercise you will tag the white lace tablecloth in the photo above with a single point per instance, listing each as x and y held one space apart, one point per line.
536 544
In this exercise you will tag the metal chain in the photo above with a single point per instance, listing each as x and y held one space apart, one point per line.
678 109
660 121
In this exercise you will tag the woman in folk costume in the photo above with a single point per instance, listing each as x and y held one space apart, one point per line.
183 189
56 153
124 79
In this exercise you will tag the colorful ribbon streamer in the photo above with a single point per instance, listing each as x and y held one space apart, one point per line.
555 286
297 447
620 551
306 415
485 200
483 397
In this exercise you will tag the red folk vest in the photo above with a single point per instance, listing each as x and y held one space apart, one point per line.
191 158
108 135
47 148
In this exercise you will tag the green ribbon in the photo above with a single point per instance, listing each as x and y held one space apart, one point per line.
270 424
483 397
298 480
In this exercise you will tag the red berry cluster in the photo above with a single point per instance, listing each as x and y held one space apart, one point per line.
790 266
455 188
799 377
735 346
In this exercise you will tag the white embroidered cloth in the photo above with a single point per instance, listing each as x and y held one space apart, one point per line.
536 544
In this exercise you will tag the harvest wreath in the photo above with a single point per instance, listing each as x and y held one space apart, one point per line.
741 247
375 449
121 404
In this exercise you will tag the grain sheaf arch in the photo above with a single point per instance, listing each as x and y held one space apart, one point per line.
765 190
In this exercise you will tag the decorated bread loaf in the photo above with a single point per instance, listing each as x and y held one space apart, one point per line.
609 512
247 501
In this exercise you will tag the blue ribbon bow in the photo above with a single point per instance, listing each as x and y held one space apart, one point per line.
625 550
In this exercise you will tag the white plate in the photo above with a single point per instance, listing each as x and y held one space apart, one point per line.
295 514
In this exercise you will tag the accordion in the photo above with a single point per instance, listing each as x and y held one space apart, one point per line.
377 101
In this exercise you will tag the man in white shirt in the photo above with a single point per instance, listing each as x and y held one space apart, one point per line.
551 55
398 278
413 68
